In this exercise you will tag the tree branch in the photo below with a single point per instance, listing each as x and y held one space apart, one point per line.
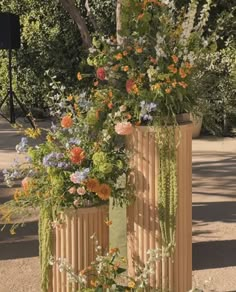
73 10
90 15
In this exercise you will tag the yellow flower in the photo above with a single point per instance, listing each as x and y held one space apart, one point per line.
119 56
79 76
156 86
33 133
50 138
131 284
17 195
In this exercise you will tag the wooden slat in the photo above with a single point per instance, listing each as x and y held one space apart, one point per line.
72 242
174 275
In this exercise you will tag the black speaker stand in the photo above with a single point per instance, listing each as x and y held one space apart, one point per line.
12 96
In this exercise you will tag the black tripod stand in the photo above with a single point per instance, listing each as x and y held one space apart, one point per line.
11 95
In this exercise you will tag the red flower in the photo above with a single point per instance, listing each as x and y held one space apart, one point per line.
77 155
101 73
129 85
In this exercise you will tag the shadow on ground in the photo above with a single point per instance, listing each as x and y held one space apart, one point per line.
214 254
23 244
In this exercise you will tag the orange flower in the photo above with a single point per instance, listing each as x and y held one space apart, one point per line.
108 222
113 250
172 68
182 73
188 65
153 60
140 16
79 76
175 59
77 155
26 184
156 86
110 94
92 184
104 192
139 50
168 90
183 84
125 68
128 116
70 97
110 105
125 53
119 56
66 122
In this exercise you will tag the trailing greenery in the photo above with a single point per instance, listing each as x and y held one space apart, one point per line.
45 244
167 186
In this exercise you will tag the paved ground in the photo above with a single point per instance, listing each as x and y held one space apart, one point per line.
214 220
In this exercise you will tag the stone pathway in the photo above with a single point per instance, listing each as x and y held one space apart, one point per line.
214 220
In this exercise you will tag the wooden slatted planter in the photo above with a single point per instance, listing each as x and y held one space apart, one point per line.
173 275
71 240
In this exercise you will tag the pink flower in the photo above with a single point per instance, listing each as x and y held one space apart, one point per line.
101 73
129 85
81 191
72 190
124 128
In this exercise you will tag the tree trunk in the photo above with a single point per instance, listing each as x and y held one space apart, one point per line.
118 22
73 10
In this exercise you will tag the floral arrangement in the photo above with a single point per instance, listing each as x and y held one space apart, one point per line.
83 160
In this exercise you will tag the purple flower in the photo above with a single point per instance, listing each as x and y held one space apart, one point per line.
146 109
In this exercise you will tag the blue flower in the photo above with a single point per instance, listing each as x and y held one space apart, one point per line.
74 141
79 176
22 147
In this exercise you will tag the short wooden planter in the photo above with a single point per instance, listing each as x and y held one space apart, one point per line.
71 240
143 227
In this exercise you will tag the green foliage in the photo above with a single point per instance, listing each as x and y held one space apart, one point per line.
49 41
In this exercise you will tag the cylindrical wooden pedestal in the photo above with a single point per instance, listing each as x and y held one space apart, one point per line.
71 241
143 226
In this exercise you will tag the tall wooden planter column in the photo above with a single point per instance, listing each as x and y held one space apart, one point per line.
71 240
143 227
